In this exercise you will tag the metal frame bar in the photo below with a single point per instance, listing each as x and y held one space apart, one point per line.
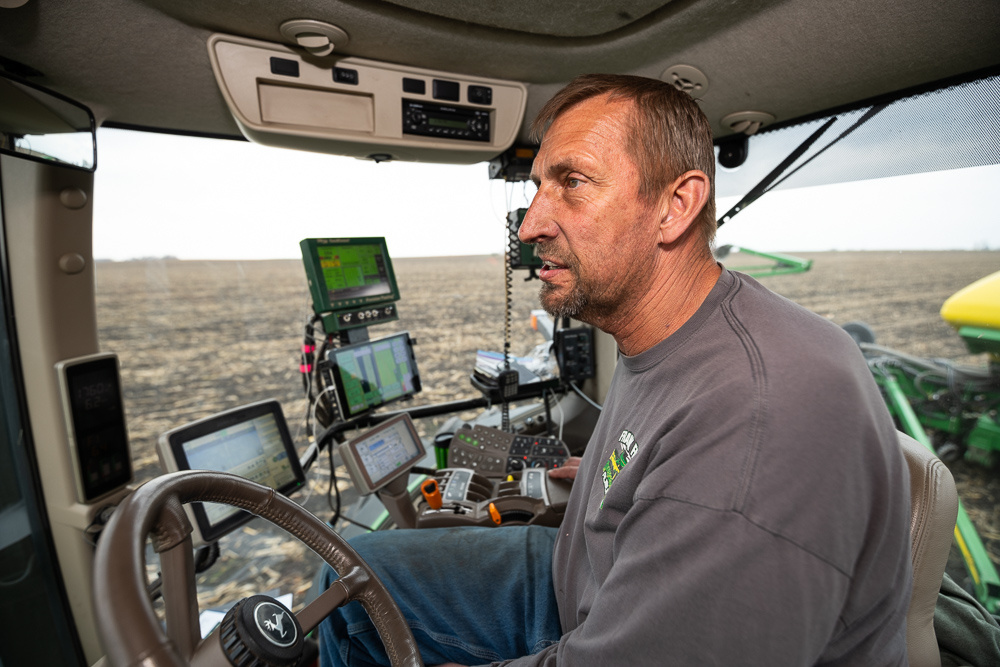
977 560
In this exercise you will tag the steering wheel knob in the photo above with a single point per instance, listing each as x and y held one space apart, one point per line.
259 631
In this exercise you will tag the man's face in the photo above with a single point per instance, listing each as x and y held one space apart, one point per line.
597 240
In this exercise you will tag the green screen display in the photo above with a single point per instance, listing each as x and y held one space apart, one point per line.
354 271
348 273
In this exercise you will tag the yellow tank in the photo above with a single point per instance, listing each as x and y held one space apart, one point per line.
975 312
977 305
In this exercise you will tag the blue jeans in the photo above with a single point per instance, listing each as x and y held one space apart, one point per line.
470 595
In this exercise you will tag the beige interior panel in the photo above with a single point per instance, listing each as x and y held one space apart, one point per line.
56 320
311 111
316 108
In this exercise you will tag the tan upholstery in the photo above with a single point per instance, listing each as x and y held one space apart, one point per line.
934 508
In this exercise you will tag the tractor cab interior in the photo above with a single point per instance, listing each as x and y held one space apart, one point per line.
122 474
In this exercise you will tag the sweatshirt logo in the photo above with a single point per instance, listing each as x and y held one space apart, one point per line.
620 457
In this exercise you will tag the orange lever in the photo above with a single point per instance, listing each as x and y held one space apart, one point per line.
432 493
494 514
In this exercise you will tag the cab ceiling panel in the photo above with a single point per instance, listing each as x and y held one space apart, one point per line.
128 62
579 18
145 62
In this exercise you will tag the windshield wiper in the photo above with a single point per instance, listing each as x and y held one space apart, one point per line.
772 181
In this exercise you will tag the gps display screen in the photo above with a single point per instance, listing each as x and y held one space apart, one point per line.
373 373
252 441
253 449
354 271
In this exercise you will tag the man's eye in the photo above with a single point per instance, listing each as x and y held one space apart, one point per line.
573 182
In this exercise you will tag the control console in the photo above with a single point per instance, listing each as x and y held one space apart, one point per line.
467 498
494 453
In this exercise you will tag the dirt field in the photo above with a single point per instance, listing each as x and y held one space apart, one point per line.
198 337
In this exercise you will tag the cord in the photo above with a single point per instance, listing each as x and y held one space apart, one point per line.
315 403
336 510
508 278
585 397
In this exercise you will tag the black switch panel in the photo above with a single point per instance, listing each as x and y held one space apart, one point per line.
284 67
446 90
344 75
480 95
415 86
575 353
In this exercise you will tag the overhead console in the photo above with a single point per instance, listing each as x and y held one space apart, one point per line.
363 108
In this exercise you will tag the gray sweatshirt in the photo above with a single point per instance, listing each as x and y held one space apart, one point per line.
743 501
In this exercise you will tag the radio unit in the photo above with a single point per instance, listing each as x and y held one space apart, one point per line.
450 122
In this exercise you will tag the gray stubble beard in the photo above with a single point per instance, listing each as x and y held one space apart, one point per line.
570 306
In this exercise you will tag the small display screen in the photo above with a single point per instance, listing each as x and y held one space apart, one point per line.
99 432
445 122
252 441
385 452
371 374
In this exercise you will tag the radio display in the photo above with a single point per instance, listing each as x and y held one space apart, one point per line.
444 122
447 122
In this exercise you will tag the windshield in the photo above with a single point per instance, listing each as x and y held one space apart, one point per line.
202 293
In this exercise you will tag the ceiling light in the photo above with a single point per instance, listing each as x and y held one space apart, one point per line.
316 37
747 122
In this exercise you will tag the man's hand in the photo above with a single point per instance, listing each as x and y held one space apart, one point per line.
567 470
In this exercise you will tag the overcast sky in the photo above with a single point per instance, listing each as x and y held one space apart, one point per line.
158 195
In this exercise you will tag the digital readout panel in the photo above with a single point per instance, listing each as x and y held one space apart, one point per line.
92 393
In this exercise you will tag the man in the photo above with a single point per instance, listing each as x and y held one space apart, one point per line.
742 500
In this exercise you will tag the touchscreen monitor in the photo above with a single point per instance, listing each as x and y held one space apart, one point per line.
252 441
348 273
383 453
367 375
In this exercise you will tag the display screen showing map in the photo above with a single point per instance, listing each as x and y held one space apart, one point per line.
374 373
354 271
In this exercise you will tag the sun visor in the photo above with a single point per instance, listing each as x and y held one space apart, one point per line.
362 108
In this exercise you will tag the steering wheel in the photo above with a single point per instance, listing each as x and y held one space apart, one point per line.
129 628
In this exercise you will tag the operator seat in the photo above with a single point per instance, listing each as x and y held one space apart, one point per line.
933 510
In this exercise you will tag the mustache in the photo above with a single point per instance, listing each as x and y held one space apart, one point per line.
550 254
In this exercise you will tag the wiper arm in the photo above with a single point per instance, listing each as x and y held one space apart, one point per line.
772 181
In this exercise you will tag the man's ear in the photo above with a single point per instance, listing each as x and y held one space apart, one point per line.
682 202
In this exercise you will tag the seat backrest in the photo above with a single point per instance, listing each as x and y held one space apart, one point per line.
934 509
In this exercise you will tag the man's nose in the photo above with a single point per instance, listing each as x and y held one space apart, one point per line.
537 225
